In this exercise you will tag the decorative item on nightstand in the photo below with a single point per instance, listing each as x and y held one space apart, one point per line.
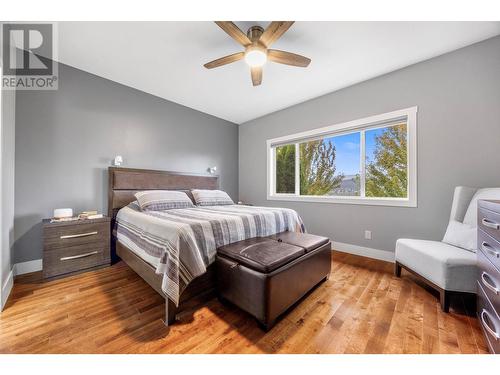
90 215
75 246
488 263
63 213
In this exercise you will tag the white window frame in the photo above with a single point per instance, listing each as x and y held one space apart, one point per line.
367 123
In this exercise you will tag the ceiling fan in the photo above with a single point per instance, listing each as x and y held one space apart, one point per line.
257 42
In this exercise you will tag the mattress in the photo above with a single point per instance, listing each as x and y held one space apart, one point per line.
181 243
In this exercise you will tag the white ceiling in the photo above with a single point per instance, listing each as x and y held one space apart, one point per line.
166 58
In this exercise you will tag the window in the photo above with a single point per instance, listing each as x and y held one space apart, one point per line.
285 169
367 161
330 166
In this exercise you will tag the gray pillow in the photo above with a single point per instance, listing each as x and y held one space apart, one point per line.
211 197
159 200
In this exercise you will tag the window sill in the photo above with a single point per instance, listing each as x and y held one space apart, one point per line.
393 202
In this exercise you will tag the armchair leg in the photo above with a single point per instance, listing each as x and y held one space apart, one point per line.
444 295
397 269
444 298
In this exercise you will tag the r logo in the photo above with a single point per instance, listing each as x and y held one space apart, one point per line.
31 54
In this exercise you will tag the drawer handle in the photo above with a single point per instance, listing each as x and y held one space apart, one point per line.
493 288
80 256
487 327
78 235
487 247
490 224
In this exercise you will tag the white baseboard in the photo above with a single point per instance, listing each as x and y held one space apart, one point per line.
27 267
18 269
368 252
6 288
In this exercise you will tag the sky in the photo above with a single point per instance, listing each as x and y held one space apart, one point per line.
348 150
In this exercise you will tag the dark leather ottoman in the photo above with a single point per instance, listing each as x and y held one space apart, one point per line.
266 276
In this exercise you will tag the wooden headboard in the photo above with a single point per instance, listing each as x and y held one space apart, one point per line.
123 183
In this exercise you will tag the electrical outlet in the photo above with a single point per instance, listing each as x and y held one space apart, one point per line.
368 234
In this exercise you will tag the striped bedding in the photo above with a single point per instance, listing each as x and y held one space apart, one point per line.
181 243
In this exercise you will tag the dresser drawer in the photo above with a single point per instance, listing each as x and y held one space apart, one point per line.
76 258
489 279
489 320
490 247
64 236
489 222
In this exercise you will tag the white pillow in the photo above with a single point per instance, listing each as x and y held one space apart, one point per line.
211 197
470 217
461 235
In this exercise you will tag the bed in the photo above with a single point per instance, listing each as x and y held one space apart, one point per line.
174 250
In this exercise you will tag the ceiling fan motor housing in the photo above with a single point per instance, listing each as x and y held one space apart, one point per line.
254 33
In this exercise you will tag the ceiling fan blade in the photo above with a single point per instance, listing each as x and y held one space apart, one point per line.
234 32
256 75
288 58
225 60
274 31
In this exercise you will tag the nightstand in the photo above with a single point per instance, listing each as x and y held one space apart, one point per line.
75 246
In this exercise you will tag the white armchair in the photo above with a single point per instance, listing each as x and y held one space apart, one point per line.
449 265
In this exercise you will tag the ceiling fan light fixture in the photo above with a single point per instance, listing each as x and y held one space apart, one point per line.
257 43
255 57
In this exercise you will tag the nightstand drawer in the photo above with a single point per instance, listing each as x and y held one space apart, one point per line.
489 222
489 320
76 258
489 246
489 279
71 235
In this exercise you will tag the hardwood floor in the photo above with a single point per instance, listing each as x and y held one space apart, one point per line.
362 308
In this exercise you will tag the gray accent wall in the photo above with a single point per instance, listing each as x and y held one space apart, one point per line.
458 99
66 139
